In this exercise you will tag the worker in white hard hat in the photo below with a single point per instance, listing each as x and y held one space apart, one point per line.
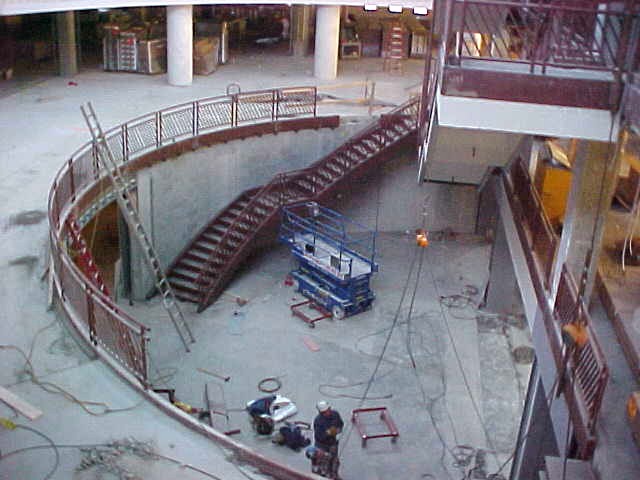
326 428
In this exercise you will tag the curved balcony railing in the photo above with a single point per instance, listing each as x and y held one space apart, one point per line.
90 308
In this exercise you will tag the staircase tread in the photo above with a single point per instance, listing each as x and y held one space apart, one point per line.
221 244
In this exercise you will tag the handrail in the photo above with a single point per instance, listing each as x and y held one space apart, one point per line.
132 140
587 369
544 240
205 279
540 34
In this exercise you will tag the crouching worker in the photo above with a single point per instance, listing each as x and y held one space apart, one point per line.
326 428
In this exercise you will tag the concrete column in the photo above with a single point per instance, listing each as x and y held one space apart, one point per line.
534 157
180 45
325 60
300 29
536 437
502 295
67 53
593 183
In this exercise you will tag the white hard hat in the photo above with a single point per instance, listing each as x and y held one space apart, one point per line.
323 406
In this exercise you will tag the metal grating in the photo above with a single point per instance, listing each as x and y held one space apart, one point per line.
177 123
215 114
141 135
254 106
294 102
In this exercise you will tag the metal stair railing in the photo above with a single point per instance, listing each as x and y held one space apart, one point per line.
83 255
176 261
282 185
105 156
207 288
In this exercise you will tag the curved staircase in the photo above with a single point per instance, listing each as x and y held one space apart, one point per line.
202 270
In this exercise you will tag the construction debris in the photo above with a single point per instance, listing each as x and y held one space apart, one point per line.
226 378
107 458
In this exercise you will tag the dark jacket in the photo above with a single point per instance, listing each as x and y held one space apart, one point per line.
322 423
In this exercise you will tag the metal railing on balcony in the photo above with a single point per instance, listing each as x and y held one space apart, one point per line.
107 325
543 240
586 368
593 36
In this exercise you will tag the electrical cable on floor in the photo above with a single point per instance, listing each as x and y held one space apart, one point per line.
551 395
161 379
57 447
462 371
51 444
55 389
411 304
277 384
431 402
322 389
35 338
417 282
384 349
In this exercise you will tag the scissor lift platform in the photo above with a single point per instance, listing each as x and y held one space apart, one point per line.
335 258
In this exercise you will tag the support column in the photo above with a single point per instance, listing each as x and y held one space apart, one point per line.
300 29
536 438
502 294
535 160
325 60
180 45
592 187
67 53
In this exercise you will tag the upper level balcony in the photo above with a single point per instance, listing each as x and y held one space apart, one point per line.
523 62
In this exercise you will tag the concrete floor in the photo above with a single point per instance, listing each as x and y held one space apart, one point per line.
41 125
262 339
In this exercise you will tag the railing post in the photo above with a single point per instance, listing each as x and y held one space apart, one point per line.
91 318
448 12
96 162
194 118
625 36
234 110
275 104
125 143
315 101
144 361
158 129
463 26
56 206
72 180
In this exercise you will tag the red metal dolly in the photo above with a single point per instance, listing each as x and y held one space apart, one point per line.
297 309
385 418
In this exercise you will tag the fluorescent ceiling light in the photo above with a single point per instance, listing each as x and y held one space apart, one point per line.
420 10
395 8
370 8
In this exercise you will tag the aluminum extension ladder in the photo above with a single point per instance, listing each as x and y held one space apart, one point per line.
106 158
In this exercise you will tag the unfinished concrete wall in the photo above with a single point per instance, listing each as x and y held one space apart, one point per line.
462 155
394 196
178 197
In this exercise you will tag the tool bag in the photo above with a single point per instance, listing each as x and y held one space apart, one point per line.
291 435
